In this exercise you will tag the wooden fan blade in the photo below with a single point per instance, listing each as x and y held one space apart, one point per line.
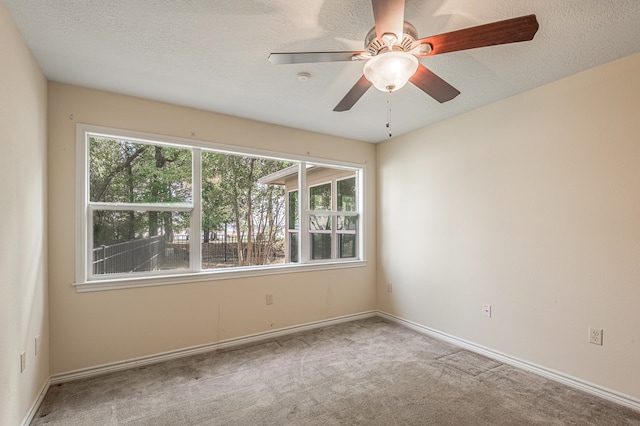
309 57
353 95
501 32
389 17
433 85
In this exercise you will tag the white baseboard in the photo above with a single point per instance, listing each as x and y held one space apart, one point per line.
36 404
557 376
181 353
84 373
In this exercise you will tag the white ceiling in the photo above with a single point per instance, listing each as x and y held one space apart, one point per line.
212 54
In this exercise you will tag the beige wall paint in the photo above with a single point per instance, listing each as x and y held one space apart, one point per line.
89 329
532 205
23 252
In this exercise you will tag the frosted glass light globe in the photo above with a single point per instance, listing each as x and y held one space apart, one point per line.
390 71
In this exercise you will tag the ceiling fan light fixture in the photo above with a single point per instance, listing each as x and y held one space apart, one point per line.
390 71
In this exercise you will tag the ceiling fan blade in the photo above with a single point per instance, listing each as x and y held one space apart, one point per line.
353 95
433 85
309 57
389 17
501 32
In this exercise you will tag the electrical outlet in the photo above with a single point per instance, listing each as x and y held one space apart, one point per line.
269 299
486 311
37 346
23 361
595 336
390 287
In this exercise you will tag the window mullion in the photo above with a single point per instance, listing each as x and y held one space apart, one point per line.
304 238
181 207
195 255
334 220
359 208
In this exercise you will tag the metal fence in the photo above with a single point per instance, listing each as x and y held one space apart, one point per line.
132 256
156 253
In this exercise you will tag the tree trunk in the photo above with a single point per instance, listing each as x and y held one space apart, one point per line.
131 218
155 193
236 216
168 226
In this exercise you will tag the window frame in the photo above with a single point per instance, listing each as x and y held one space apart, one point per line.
330 213
86 281
340 232
334 212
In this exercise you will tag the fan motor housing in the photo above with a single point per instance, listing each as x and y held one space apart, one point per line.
375 45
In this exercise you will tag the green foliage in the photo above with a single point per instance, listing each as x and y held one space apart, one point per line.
320 197
347 194
123 171
126 172
232 194
294 222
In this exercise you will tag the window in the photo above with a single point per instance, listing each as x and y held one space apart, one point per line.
151 206
348 221
333 219
138 195
293 225
320 221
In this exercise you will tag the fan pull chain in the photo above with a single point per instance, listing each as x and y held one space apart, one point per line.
389 114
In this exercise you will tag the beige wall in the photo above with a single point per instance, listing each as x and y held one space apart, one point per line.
532 205
89 329
23 252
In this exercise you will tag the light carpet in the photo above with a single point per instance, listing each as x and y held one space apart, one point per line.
365 372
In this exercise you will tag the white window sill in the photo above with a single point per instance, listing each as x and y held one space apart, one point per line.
221 274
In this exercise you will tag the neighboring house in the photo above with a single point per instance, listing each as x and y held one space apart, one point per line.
331 208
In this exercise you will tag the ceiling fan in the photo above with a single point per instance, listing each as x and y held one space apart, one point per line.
393 48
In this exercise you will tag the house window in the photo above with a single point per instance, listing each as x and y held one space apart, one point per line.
333 217
293 225
320 221
347 221
152 206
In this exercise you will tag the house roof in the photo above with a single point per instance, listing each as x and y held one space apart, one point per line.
279 177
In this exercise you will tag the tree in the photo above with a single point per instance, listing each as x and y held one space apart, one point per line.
231 192
126 172
170 181
129 172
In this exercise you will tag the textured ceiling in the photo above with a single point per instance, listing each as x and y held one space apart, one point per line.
212 54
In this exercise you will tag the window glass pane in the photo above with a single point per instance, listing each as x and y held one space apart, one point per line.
293 210
320 197
122 171
347 223
347 195
131 241
320 246
243 216
347 245
293 246
320 222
